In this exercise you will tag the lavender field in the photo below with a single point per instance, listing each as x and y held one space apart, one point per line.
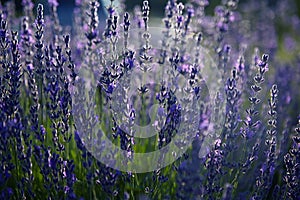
121 103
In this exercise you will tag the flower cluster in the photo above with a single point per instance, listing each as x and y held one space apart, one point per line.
64 89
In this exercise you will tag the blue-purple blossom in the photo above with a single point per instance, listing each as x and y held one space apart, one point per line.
48 143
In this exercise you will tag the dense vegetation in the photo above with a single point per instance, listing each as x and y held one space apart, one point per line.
234 110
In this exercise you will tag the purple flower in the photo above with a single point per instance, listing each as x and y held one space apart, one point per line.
53 3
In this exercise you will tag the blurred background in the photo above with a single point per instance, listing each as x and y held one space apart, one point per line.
157 6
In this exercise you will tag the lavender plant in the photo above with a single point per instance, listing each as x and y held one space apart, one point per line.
77 103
